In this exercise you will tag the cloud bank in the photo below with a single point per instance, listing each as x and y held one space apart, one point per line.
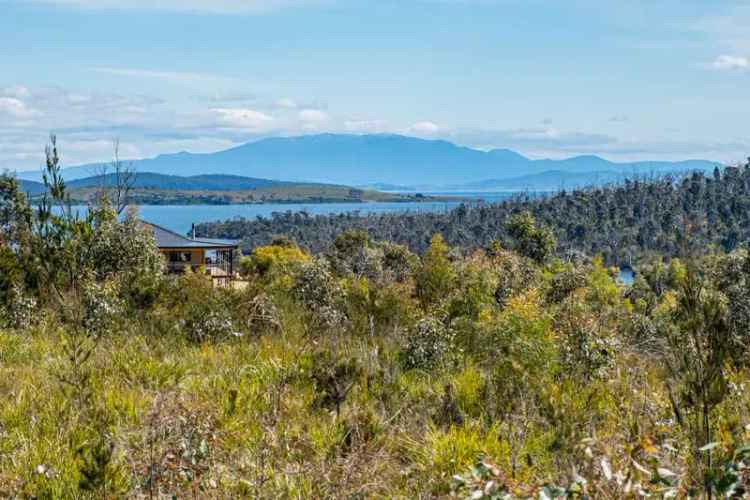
731 63
87 124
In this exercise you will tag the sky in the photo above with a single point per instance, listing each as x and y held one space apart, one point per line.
623 79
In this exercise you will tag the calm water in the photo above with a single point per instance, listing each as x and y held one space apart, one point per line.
180 218
627 275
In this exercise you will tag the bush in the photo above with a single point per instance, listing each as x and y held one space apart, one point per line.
399 263
279 257
101 306
261 314
353 253
429 345
209 320
19 311
435 279
316 289
536 243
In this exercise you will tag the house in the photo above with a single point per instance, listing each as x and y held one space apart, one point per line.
217 257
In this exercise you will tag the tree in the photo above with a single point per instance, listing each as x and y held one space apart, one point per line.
436 277
699 349
123 177
15 213
536 243
15 224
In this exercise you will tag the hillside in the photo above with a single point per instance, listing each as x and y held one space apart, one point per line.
552 180
623 222
149 188
31 187
211 182
280 193
368 159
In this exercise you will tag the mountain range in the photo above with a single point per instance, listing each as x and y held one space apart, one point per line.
390 159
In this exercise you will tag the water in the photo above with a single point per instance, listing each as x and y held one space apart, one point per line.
180 218
627 275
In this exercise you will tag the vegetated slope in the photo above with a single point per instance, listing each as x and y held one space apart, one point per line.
31 187
151 180
622 222
277 193
552 180
382 158
149 188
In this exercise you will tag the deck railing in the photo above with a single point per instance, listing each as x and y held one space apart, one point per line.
212 268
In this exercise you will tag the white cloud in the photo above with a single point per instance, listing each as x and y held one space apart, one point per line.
531 139
424 128
86 124
286 103
535 133
17 91
242 118
169 76
16 108
224 97
187 6
312 116
730 63
366 126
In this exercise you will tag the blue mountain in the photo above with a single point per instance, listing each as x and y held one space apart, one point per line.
381 158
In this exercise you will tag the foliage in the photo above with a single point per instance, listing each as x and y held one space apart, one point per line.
436 277
701 345
533 242
431 344
318 291
364 371
18 309
279 257
625 222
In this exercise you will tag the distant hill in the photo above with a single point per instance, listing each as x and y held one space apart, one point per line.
384 186
210 182
552 180
31 187
157 189
381 158
150 180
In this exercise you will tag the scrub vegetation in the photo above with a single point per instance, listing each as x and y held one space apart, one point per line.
638 219
501 370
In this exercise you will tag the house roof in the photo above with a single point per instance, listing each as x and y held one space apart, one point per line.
169 239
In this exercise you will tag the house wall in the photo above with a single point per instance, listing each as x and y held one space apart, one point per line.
197 256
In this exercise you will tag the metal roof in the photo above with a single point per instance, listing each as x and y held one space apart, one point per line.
169 239
219 241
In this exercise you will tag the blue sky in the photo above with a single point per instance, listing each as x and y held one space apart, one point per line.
637 79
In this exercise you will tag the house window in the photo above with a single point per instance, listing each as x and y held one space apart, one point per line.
176 257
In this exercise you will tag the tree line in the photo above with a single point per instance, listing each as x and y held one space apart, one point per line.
623 222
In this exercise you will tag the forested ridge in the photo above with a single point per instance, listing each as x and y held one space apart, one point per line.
622 222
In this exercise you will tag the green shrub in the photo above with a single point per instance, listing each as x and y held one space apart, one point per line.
208 320
436 278
429 345
318 291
